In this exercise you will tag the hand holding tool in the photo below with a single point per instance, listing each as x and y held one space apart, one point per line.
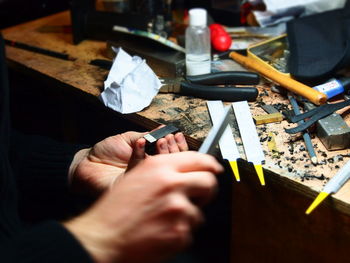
154 136
204 86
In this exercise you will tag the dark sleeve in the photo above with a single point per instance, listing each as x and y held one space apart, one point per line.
40 166
48 242
41 163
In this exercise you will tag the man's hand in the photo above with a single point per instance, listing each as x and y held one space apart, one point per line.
151 212
95 170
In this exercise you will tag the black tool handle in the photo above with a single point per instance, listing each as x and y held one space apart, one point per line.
226 78
228 93
102 63
39 50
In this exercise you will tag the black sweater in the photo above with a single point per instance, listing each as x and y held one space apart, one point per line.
39 165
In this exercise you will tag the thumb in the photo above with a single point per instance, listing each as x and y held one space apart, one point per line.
138 153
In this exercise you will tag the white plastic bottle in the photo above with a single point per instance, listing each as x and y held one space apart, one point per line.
197 42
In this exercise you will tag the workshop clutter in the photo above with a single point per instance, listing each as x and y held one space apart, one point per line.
220 39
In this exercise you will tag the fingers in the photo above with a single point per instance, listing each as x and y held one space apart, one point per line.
181 209
191 172
200 187
131 137
138 153
139 149
190 161
184 217
162 146
181 142
172 144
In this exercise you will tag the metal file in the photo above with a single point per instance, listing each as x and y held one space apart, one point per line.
215 133
250 138
227 144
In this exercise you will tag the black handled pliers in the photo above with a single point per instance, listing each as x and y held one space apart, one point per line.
205 86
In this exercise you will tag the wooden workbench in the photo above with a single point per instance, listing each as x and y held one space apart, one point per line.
269 220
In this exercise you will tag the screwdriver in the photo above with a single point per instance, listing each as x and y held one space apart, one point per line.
333 186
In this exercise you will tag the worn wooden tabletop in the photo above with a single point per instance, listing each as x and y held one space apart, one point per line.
292 164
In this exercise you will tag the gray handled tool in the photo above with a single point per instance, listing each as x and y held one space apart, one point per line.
215 133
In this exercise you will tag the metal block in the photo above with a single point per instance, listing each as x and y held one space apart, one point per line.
333 131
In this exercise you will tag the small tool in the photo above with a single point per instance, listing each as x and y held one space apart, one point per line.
102 63
154 136
204 86
306 135
314 115
333 186
215 133
250 138
227 142
40 50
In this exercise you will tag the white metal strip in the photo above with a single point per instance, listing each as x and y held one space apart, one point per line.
215 133
249 135
227 142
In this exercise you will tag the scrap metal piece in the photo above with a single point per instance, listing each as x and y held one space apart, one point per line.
272 146
268 118
269 108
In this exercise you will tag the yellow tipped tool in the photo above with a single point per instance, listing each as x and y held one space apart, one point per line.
227 142
260 172
333 186
321 196
235 171
250 138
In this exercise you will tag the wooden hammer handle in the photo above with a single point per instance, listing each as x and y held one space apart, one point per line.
287 82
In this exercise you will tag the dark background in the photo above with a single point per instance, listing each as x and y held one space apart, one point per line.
13 12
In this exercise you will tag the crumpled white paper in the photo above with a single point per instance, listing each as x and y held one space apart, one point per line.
131 84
